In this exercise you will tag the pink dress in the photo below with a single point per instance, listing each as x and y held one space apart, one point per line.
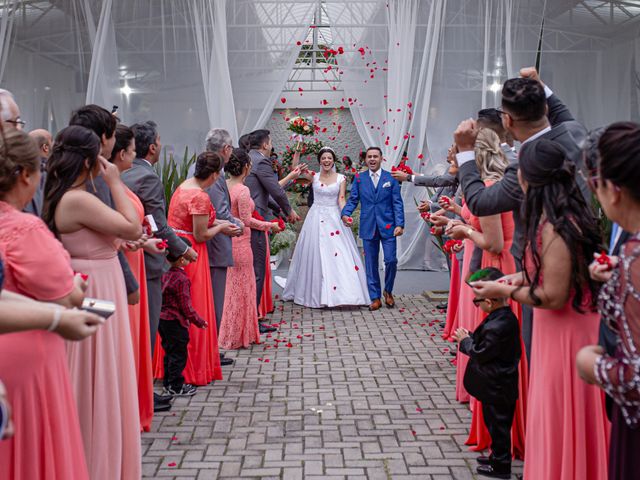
239 326
33 365
451 323
139 323
567 427
102 367
466 314
203 364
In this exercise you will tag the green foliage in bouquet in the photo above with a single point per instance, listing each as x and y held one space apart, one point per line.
282 240
172 173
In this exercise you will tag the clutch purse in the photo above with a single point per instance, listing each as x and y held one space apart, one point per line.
104 308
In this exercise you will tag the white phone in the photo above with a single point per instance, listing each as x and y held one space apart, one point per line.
104 308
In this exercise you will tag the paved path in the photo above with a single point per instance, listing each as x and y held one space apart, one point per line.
345 394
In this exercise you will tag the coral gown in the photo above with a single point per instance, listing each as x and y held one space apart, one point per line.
451 323
239 326
102 368
479 435
567 427
266 301
47 443
466 313
203 364
139 322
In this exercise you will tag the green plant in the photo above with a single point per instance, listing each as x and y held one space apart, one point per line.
282 240
172 173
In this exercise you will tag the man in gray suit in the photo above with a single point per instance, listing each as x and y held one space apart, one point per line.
143 180
530 111
263 184
219 247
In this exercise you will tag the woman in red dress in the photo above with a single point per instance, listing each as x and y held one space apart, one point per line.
192 216
124 151
567 428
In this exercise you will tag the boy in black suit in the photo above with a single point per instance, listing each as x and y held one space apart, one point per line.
492 375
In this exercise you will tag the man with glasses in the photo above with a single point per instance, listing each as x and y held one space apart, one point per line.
529 111
9 112
44 140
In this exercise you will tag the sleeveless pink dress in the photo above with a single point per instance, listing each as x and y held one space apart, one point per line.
47 443
102 367
239 326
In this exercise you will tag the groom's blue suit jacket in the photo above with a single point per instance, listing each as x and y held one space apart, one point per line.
381 207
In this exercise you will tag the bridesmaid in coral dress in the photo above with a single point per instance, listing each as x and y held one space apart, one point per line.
47 442
239 327
102 367
266 301
124 151
192 216
567 428
494 235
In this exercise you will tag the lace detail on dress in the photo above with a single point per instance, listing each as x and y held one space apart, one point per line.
619 305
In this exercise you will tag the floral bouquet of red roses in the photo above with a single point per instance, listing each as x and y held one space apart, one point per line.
403 167
300 126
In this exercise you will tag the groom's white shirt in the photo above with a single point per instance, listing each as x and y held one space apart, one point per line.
375 177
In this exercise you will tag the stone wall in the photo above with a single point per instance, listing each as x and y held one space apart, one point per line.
347 142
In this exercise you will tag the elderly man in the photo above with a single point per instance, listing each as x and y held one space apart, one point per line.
9 111
219 247
44 141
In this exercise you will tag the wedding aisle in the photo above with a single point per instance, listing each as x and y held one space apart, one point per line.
337 394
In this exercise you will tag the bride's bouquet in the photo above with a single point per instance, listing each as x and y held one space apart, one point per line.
300 127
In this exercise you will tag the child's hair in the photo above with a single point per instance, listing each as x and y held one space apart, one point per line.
174 259
486 274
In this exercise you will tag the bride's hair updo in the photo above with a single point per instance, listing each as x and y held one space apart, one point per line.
324 150
237 162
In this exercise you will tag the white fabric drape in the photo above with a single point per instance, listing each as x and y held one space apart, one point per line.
210 34
258 75
103 86
6 31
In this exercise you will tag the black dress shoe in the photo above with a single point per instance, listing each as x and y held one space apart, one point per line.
157 398
483 460
226 361
442 306
161 406
263 319
265 329
493 472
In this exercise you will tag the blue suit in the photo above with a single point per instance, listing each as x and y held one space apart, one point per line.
381 212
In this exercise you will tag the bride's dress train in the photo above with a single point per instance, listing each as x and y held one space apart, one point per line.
326 269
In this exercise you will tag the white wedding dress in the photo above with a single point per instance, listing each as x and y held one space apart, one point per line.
326 269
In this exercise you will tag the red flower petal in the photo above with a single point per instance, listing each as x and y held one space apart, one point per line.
283 100
419 410
357 268
171 464
414 433
266 360
387 226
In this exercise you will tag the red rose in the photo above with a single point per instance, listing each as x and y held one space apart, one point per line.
604 259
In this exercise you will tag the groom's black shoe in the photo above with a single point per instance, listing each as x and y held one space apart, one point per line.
375 305
388 299
494 471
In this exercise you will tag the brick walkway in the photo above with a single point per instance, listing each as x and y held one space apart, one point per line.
342 393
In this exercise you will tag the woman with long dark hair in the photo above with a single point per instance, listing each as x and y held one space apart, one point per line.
567 429
102 368
616 183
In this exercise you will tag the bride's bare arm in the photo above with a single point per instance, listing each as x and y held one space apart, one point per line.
342 196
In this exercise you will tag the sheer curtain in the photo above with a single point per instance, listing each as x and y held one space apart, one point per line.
103 86
6 31
265 41
210 34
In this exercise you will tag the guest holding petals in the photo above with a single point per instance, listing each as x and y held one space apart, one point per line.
567 429
616 184
102 368
122 156
193 217
239 327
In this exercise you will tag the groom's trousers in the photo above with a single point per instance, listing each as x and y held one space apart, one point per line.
259 250
371 262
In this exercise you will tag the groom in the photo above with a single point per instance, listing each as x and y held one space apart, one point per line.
381 221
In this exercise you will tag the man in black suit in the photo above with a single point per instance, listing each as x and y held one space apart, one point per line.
530 110
263 184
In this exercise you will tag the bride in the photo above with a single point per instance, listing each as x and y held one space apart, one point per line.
326 269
